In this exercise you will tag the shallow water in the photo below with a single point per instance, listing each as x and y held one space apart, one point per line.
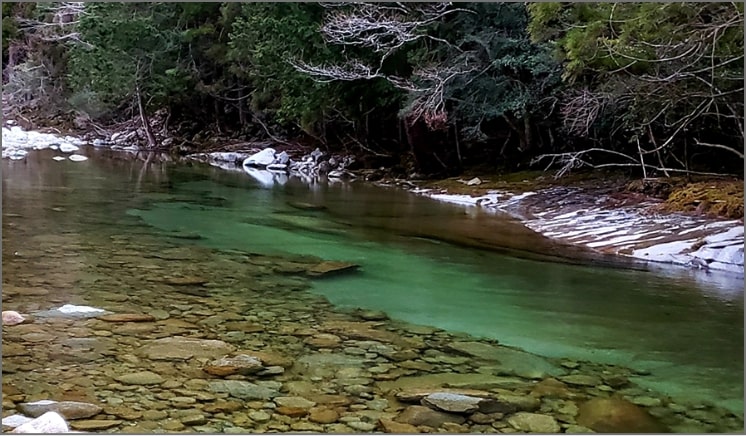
421 262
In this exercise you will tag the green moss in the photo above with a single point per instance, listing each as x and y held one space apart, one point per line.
722 198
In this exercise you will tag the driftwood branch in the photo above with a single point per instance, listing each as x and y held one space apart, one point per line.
577 159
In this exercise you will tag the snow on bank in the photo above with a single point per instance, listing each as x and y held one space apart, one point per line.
695 242
17 143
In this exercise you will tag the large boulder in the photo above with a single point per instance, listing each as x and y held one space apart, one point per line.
617 415
261 159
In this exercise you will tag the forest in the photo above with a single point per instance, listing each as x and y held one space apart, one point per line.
422 88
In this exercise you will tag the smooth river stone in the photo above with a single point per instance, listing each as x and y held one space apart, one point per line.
298 402
534 423
181 348
239 364
127 317
581 380
140 378
11 317
243 390
454 403
421 415
91 425
616 415
68 409
512 361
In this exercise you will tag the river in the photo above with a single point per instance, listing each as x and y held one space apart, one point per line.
421 262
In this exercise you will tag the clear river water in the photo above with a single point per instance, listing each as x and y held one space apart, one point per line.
421 261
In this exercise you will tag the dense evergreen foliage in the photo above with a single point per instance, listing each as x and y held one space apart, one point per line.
427 87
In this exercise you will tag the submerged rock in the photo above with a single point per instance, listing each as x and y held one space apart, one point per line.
68 409
331 267
91 425
510 361
243 390
421 415
454 403
534 423
11 317
127 317
140 378
72 311
182 348
617 415
239 364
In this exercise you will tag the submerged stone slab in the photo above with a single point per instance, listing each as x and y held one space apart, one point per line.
451 380
182 348
243 389
454 403
140 378
509 360
330 267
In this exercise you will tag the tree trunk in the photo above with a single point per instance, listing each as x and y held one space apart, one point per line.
152 143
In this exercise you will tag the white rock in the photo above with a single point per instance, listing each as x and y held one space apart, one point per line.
50 422
277 167
11 317
68 148
77 158
72 309
262 159
473 182
16 420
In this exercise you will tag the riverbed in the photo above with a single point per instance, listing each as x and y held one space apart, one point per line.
125 236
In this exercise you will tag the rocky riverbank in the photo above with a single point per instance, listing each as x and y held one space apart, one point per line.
184 338
610 221
125 332
591 217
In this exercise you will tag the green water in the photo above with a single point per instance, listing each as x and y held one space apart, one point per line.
685 328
